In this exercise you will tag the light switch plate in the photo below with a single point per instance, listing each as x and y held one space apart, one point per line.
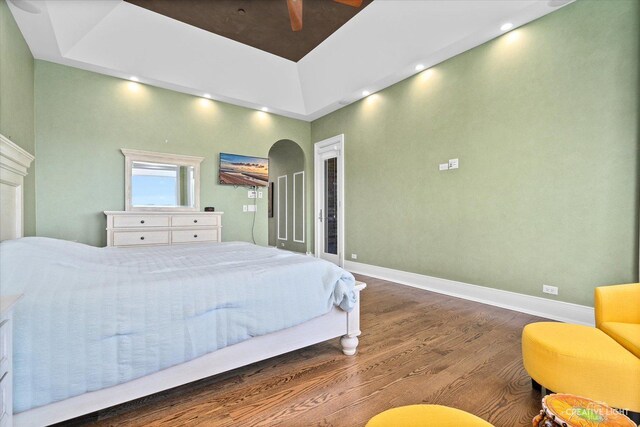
444 166
252 194
453 163
244 208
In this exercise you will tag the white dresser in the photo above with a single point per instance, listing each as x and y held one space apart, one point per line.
127 228
6 354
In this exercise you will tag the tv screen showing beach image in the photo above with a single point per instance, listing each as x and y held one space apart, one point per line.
243 170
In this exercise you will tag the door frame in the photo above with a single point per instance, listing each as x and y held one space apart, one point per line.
338 142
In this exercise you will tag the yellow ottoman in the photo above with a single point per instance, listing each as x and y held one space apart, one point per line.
581 360
424 416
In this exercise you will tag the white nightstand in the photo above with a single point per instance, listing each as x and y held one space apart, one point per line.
6 352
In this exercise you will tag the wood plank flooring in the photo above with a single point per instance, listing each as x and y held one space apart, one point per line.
416 347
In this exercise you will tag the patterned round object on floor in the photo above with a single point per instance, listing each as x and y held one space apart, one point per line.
567 410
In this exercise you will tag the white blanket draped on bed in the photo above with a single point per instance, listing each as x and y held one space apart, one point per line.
93 317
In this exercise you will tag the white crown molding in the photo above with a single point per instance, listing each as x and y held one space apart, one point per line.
536 306
14 162
13 157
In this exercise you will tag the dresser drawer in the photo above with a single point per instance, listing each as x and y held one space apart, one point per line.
4 341
132 238
185 220
194 236
140 221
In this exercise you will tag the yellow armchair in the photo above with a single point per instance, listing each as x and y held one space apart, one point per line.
617 310
618 303
601 363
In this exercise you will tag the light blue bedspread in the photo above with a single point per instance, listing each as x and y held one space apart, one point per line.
92 318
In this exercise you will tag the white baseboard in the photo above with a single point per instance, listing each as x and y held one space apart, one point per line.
542 307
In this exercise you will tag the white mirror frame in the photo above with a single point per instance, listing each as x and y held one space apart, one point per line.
131 156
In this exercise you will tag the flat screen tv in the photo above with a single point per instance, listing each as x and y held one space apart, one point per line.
243 170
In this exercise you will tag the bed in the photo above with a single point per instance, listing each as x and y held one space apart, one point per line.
101 326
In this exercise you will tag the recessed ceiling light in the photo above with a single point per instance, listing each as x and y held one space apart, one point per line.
134 79
366 93
419 67
206 95
506 26
265 109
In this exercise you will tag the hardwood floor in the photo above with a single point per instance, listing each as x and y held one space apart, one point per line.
416 347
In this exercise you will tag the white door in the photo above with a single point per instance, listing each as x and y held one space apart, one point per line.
329 191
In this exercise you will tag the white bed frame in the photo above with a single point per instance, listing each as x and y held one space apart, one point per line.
336 323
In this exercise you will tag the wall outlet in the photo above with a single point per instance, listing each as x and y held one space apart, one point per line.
282 244
444 166
547 289
252 194
252 208
244 208
453 163
354 256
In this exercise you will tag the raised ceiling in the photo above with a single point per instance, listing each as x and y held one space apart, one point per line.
378 47
263 24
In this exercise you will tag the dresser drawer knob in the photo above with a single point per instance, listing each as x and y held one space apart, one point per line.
142 221
195 235
142 238
195 220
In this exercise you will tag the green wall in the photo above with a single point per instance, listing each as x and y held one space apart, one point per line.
16 102
84 118
544 121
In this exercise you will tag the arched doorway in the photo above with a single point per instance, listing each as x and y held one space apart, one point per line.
287 194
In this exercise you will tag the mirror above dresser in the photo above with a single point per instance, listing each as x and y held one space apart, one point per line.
162 203
161 181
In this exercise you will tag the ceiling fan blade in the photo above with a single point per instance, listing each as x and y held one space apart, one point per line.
295 14
352 3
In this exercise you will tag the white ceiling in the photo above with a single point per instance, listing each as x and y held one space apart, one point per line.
380 46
